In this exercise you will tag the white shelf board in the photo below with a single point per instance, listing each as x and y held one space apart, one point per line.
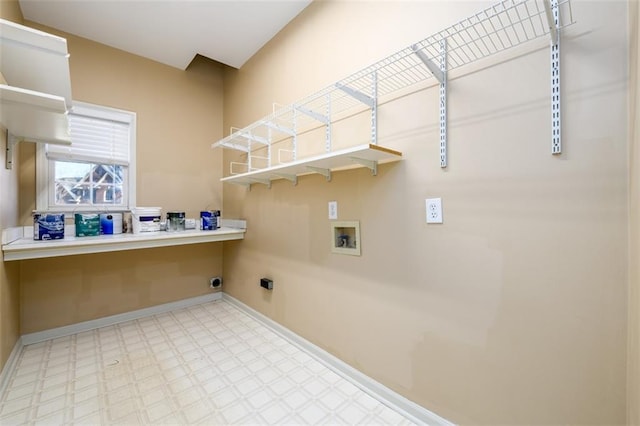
28 248
34 60
34 116
334 161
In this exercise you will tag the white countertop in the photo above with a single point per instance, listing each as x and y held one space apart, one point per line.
25 247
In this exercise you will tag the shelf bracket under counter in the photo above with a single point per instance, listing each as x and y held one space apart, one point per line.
18 243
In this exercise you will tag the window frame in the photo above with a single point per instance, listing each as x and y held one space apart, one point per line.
45 172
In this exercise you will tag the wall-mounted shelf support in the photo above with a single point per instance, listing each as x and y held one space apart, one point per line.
552 11
266 182
291 178
269 138
327 127
552 19
362 97
235 146
12 141
374 108
324 119
279 128
370 164
369 101
255 138
313 114
324 172
443 103
439 71
434 68
243 184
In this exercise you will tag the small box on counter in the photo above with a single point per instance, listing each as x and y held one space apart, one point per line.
87 224
209 220
48 226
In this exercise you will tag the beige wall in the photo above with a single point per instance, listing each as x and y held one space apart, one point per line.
179 115
514 311
9 272
10 10
633 373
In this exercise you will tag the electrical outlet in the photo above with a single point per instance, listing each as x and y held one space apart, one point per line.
434 210
333 210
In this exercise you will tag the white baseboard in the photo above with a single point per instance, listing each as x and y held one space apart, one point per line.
80 327
10 365
410 409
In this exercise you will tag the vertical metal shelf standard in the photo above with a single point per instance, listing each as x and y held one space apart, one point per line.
553 18
507 24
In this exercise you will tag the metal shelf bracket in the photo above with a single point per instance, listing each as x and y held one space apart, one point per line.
362 97
266 182
243 184
279 128
12 141
434 68
370 101
370 164
315 115
291 178
254 138
324 172
232 145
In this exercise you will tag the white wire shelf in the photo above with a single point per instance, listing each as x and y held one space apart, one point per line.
503 26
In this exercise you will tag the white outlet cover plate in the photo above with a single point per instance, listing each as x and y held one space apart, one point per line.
333 210
434 210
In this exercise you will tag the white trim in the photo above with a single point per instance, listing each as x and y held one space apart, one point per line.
10 235
10 365
45 190
410 409
233 223
67 330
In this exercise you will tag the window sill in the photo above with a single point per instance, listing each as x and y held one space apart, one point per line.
18 243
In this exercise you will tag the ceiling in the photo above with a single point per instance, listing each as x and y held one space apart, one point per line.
171 31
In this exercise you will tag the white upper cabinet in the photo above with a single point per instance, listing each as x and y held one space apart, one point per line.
37 94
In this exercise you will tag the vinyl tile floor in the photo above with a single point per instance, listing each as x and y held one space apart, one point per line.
206 364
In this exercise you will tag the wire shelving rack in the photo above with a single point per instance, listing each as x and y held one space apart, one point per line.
505 25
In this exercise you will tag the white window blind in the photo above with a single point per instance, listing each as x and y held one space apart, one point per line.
102 138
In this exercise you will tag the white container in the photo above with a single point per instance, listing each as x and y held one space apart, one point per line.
145 219
111 223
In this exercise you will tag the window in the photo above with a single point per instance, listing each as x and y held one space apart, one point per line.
97 172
